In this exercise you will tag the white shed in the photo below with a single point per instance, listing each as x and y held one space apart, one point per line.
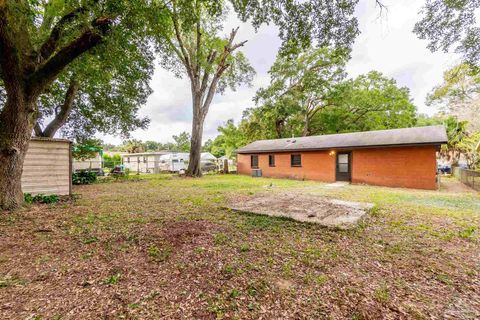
47 168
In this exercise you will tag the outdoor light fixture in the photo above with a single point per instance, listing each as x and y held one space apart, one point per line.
331 153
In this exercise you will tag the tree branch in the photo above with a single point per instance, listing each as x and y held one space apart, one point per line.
49 71
185 57
50 45
227 50
206 74
65 110
38 130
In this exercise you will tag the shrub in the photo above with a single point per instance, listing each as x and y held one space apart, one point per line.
84 177
40 198
111 161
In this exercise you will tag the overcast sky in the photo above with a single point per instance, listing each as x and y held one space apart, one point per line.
386 44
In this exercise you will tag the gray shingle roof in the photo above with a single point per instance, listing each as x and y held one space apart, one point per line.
431 135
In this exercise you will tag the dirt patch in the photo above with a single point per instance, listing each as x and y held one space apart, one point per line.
451 185
304 208
183 232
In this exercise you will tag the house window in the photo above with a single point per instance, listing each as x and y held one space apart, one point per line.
271 160
254 162
128 159
144 159
296 160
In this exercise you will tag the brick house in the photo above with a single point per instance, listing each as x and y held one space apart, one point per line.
394 158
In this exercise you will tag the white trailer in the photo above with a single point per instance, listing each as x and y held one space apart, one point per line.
174 162
147 162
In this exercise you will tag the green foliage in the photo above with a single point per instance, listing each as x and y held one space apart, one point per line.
447 24
301 87
182 142
382 294
229 139
41 198
461 141
303 23
152 146
469 147
459 94
369 102
207 146
84 177
468 232
321 104
221 238
112 77
133 146
159 254
86 149
110 161
113 279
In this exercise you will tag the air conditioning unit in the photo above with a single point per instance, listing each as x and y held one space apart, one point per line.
256 172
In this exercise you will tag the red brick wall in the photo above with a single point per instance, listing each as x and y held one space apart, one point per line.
409 167
316 165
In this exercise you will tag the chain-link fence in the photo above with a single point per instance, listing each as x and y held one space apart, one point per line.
469 177
144 165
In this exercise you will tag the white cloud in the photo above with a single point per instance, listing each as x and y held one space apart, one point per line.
386 44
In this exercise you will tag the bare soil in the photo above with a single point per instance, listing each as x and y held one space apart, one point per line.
303 207
452 185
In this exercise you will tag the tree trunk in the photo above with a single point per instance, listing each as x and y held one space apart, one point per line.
306 126
194 169
15 131
279 126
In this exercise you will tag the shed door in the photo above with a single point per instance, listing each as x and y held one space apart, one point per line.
343 166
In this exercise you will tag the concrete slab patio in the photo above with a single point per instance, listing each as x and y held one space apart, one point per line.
303 207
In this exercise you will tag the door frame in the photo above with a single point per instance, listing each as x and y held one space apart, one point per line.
337 173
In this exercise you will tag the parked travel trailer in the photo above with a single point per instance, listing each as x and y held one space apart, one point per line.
174 162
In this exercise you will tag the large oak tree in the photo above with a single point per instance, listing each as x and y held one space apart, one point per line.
367 102
102 91
303 85
448 24
38 41
193 44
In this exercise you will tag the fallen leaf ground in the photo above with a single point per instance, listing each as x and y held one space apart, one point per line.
163 247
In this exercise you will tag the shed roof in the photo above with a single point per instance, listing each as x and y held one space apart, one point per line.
50 139
430 135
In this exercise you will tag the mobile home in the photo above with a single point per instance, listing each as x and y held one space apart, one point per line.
148 162
174 162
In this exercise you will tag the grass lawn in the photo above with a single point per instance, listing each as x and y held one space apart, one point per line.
163 247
